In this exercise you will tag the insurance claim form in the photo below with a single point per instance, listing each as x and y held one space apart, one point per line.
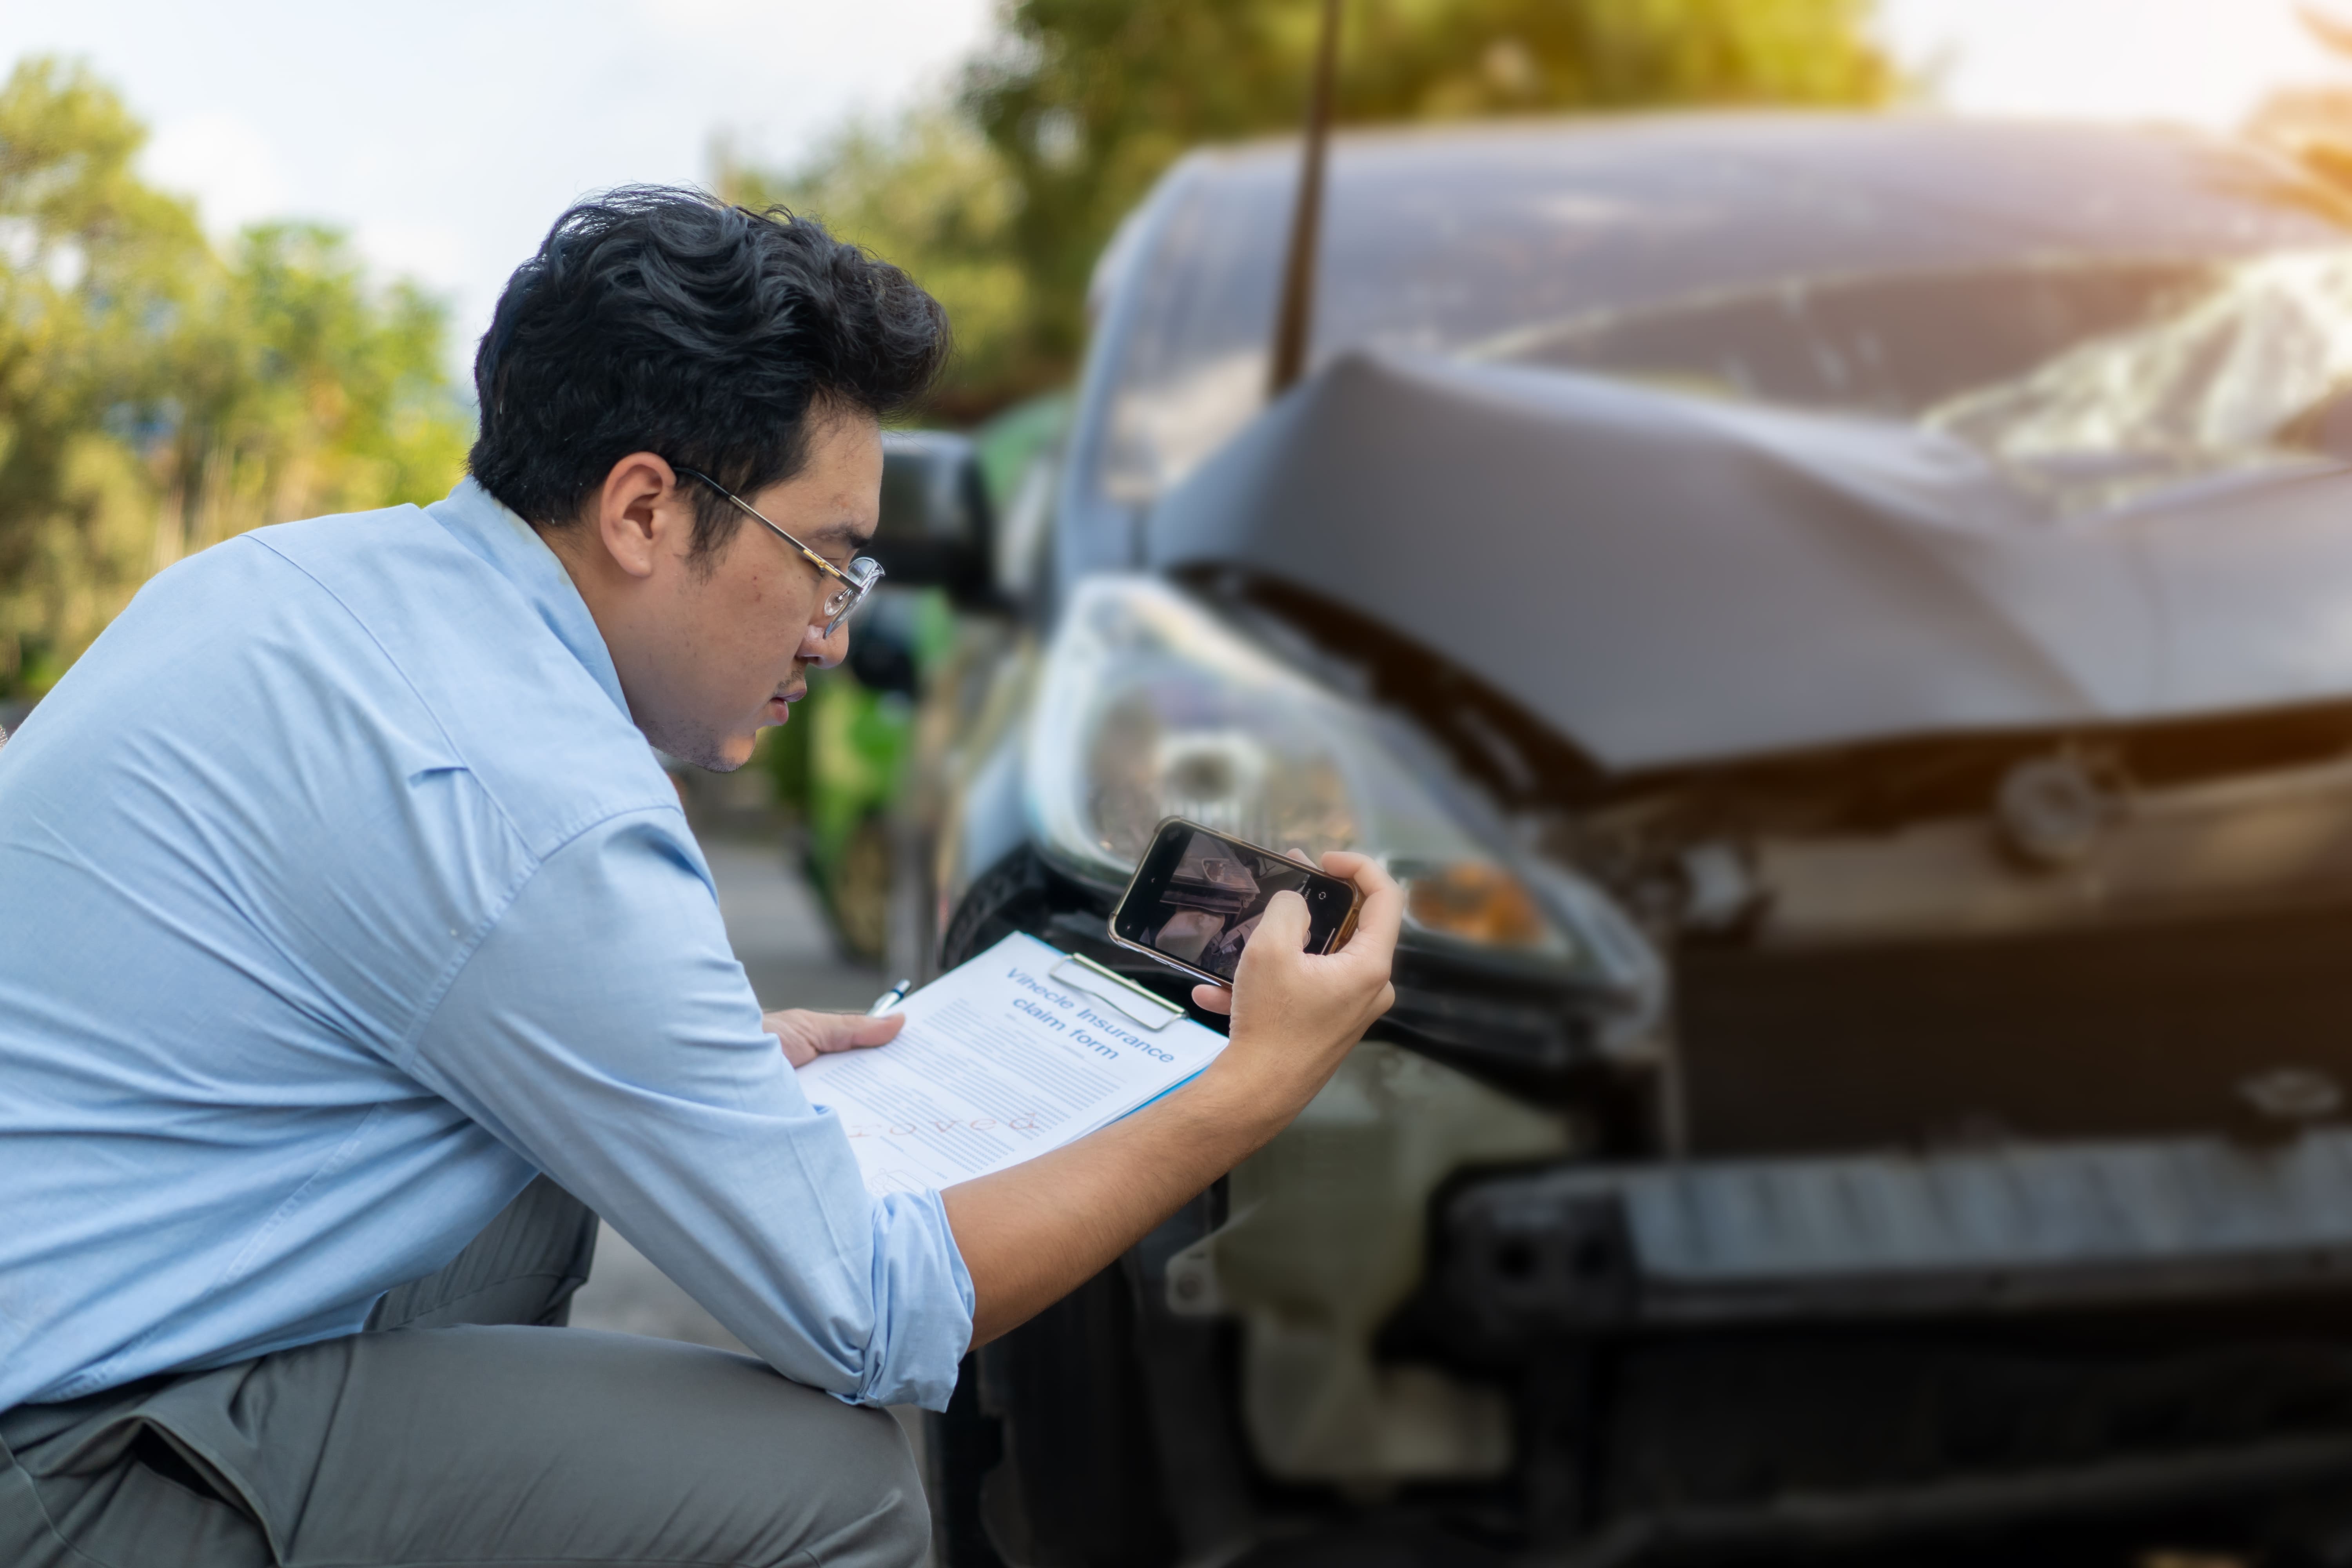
1020 1051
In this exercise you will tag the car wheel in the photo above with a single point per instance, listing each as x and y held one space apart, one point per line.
1045 1454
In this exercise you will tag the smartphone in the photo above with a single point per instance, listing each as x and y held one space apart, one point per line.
1198 894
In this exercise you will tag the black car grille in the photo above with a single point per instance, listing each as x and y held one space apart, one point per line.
2119 1030
1731 1426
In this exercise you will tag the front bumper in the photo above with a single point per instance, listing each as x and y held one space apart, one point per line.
2006 1230
1716 1359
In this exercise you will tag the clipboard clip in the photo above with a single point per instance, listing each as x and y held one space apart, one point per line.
1148 1010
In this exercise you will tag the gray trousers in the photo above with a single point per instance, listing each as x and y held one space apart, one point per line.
465 1427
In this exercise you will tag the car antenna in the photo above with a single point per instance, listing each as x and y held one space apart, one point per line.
1305 218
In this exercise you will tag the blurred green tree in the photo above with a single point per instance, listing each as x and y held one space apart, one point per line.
156 396
1061 126
929 192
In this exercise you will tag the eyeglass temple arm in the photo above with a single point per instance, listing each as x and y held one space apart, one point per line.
819 562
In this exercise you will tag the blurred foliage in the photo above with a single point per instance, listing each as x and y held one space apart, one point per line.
157 396
1000 201
2312 122
929 193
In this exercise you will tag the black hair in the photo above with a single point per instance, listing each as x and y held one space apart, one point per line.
662 320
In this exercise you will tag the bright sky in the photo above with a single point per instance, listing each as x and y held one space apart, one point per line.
2203 61
446 134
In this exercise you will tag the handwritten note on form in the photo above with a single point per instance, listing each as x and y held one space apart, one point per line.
1001 1059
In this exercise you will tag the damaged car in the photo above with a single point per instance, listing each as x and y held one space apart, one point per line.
1842 626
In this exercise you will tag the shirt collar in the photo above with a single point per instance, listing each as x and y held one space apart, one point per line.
482 523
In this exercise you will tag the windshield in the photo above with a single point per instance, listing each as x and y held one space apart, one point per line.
2247 374
1931 270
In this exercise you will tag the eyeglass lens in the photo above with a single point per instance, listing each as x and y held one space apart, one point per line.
844 600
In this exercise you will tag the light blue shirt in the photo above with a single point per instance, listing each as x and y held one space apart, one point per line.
339 896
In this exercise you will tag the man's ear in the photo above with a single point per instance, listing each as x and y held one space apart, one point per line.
640 514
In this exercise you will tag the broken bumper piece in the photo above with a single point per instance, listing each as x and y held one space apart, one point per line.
2021 1228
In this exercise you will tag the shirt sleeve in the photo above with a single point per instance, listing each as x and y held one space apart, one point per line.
602 1028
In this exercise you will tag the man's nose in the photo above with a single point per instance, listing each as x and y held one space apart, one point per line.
823 651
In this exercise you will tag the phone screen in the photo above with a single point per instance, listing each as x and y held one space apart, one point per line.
1198 895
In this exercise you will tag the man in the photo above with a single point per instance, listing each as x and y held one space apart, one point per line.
353 949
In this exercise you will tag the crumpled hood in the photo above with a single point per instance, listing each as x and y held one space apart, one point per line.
1670 580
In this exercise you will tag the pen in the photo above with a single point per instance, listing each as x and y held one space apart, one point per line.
889 999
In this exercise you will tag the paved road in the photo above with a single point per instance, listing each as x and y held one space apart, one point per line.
780 937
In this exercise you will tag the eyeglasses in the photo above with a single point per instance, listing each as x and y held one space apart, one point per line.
850 587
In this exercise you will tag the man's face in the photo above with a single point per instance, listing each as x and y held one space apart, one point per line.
709 652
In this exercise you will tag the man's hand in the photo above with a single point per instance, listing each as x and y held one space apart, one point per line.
1297 1014
1031 1234
807 1036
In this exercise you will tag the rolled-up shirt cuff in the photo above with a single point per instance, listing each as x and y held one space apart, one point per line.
923 1305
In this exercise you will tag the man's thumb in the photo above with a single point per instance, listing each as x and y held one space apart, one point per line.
1285 924
859 1030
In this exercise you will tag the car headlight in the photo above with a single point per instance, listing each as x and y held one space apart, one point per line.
1152 708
